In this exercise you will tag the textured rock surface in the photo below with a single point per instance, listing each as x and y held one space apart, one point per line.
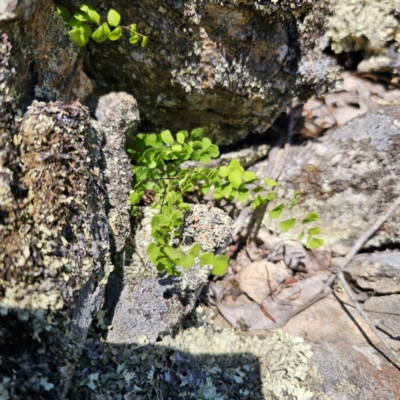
226 66
369 27
58 187
149 305
349 176
53 248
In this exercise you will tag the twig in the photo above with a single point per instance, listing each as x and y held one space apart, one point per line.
340 274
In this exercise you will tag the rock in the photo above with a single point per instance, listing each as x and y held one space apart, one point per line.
147 304
367 27
377 272
349 176
54 240
227 67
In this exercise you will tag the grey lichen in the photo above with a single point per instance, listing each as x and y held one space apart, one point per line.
54 245
201 362
370 27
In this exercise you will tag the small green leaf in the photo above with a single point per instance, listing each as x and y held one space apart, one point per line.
134 197
249 176
101 33
167 137
206 259
295 199
174 254
150 139
176 218
64 13
133 39
196 134
220 264
113 17
205 189
223 172
276 212
234 165
205 159
144 41
81 16
165 264
80 35
133 29
205 143
213 151
314 231
314 243
91 12
180 137
270 182
195 250
300 237
115 34
153 251
270 195
74 23
288 224
258 201
176 147
235 178
184 206
310 218
257 189
243 195
187 261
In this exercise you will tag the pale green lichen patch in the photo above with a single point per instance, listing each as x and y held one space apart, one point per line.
201 362
53 246
365 26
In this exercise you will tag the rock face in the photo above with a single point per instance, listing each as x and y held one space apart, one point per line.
145 305
228 67
368 27
55 204
348 177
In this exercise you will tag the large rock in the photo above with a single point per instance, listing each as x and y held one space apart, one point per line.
368 28
55 200
349 177
147 304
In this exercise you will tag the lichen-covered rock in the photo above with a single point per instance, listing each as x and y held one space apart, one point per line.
148 304
59 172
202 362
117 117
229 67
369 27
349 177
53 248
47 64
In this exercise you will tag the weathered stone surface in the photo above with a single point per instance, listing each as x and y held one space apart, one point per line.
369 27
349 176
229 67
54 236
46 65
117 117
348 365
377 272
53 248
149 305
